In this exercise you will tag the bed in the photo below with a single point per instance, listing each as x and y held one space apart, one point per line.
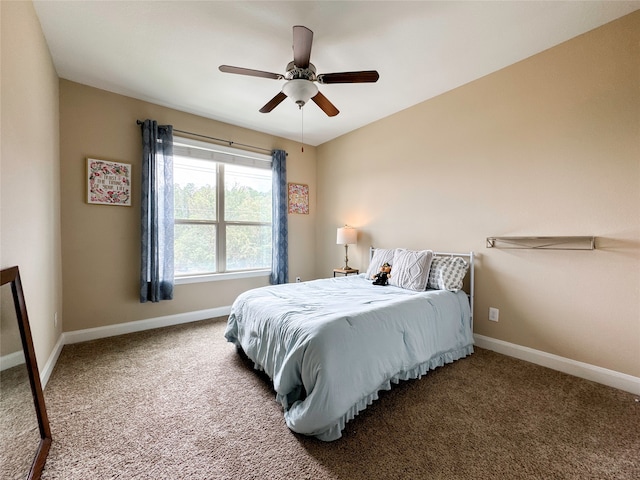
330 345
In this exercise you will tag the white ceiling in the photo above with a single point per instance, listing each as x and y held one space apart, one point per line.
168 52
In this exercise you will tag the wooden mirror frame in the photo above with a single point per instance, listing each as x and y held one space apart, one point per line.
12 276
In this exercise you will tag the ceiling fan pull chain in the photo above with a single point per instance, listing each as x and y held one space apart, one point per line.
302 128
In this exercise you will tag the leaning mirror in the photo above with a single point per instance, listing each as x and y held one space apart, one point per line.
23 428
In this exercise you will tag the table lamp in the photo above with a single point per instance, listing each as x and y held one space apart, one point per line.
346 235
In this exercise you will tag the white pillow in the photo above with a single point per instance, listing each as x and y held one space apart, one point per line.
410 269
447 273
380 256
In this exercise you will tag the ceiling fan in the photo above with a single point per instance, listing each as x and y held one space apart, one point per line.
301 75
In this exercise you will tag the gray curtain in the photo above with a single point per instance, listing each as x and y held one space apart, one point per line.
156 268
280 236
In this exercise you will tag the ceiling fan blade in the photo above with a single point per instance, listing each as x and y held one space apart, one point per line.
273 103
302 39
250 72
366 76
326 106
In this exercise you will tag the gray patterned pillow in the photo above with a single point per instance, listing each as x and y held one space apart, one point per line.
380 256
410 269
447 273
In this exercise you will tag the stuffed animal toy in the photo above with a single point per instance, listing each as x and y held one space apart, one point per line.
382 277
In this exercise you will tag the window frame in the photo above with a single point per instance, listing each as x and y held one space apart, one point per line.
221 155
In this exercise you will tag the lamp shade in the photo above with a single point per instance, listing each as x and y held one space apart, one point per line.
300 90
347 236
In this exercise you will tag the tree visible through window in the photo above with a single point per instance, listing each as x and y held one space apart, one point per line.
222 214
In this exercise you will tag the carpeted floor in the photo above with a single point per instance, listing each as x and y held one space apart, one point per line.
180 403
19 434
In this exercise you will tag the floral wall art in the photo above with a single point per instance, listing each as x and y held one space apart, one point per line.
108 183
298 198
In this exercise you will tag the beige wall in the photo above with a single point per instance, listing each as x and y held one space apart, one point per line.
101 244
548 146
29 170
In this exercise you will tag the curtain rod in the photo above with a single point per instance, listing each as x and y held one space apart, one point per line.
229 142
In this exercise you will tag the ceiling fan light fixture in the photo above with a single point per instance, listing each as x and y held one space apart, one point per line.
300 90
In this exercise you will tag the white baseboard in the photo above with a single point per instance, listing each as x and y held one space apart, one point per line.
611 378
45 372
11 360
87 334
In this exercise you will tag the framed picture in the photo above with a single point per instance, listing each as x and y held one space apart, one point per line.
108 183
298 198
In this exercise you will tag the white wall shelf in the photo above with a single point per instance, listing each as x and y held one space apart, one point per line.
543 243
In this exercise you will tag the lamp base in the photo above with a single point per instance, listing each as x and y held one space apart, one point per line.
346 258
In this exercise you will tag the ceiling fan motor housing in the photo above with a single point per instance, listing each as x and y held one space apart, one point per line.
294 73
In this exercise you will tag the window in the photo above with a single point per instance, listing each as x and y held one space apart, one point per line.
222 209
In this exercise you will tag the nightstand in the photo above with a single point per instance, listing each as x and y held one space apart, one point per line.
345 272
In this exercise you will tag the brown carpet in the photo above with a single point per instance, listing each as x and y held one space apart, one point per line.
180 403
19 434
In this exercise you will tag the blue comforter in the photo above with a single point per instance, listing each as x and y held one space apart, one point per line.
331 345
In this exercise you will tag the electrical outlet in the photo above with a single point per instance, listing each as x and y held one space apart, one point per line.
494 314
298 280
